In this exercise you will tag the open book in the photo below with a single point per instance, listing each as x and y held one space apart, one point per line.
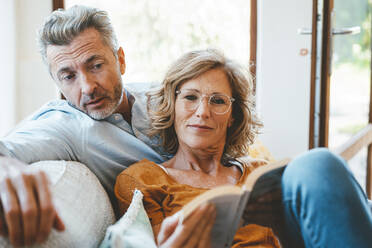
232 201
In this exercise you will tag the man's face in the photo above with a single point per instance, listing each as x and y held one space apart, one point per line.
88 74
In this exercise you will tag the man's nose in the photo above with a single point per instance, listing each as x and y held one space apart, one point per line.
203 110
87 84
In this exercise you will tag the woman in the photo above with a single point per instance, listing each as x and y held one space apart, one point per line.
203 114
196 122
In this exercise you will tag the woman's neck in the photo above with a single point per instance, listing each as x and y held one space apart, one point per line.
201 169
206 161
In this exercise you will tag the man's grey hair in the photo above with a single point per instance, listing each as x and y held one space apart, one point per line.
63 26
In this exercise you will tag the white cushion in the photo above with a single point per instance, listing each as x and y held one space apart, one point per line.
133 229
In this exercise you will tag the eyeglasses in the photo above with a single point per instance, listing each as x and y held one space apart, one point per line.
218 103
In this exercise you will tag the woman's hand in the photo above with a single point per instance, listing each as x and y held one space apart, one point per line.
195 231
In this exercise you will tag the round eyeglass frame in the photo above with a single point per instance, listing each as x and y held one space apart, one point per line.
202 96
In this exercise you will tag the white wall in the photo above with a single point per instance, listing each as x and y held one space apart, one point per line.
25 82
283 75
34 85
7 66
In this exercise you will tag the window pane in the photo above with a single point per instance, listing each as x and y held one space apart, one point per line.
358 165
350 80
154 33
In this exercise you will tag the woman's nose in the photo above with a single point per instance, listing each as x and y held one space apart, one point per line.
203 110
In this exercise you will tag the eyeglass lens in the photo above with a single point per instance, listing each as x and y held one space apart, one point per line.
218 103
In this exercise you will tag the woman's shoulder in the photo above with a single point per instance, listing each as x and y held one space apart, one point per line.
143 175
248 164
142 168
145 172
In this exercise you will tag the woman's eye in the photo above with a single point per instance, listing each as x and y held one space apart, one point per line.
191 97
218 100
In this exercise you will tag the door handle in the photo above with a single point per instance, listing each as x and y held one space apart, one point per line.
304 31
346 31
335 31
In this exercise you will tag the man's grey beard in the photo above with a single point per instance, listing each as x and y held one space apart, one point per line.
111 107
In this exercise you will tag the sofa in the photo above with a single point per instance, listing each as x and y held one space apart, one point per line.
85 208
81 202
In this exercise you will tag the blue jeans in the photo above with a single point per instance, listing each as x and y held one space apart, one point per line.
324 205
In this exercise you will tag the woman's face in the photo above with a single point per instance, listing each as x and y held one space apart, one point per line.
202 128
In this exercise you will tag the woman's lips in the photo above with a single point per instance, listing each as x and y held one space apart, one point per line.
200 127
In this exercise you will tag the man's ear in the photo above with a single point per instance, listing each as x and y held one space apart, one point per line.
121 59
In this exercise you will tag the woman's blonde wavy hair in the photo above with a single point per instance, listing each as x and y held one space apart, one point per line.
161 102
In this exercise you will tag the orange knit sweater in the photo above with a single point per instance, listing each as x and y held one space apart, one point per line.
163 196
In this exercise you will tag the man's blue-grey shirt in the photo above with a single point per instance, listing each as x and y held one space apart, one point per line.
58 131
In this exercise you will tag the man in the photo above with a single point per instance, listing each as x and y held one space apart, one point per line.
101 125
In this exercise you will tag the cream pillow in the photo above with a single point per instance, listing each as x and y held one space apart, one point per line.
133 229
82 203
259 151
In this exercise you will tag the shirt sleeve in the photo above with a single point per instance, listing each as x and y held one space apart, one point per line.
45 138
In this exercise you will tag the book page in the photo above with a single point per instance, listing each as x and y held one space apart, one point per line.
264 206
226 199
226 207
258 172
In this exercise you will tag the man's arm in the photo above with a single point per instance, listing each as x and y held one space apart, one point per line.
195 231
27 213
50 136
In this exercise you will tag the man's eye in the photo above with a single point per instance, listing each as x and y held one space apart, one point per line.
68 77
191 97
97 66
